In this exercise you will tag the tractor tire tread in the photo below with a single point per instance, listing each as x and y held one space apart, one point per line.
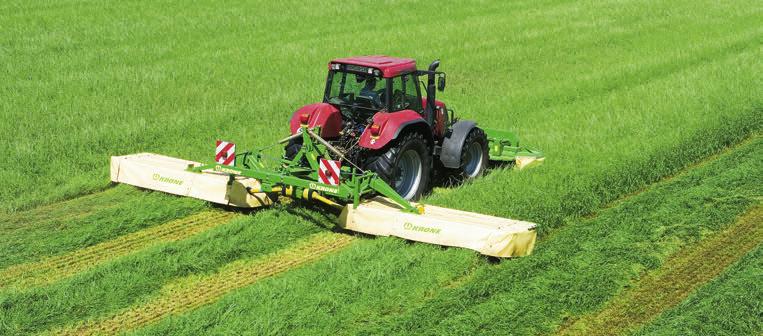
383 161
476 134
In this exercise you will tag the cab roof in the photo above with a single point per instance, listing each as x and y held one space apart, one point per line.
389 66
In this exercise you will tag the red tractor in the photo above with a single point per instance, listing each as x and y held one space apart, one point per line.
372 145
373 112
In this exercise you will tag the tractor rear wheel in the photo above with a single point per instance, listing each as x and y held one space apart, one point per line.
474 156
405 165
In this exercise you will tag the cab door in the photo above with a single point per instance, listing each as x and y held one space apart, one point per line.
405 94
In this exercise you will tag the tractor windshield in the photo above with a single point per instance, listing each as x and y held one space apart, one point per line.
356 90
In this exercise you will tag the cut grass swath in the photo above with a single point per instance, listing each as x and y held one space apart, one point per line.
674 280
728 306
99 218
192 292
139 277
55 268
66 210
357 285
688 169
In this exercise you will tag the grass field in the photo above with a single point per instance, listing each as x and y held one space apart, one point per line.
649 113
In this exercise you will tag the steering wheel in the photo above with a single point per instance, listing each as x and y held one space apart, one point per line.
347 97
366 101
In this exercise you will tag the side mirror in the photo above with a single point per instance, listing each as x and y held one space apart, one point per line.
441 83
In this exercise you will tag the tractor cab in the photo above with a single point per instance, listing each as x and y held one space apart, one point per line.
361 86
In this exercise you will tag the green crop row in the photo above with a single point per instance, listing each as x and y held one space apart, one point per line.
730 305
386 287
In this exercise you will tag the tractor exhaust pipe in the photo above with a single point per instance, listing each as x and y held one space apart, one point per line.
431 91
433 67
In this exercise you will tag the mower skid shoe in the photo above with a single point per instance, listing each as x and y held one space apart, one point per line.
168 174
493 236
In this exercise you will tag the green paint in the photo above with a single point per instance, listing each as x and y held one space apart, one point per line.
293 173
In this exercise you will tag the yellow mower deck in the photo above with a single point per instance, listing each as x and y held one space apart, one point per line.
489 235
168 174
493 236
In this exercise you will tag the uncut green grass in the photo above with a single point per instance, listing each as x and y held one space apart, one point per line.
171 77
729 305
577 270
138 277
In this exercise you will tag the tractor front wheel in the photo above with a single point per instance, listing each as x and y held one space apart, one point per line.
293 148
474 156
405 165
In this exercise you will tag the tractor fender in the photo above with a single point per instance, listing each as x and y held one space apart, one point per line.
450 154
391 125
322 115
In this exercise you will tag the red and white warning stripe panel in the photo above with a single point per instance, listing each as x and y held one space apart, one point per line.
225 153
328 172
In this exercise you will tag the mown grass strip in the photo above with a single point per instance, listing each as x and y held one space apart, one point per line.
674 280
361 283
578 269
80 224
139 277
189 293
730 305
65 210
54 268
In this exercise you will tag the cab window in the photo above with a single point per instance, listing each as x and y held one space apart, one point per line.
405 94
